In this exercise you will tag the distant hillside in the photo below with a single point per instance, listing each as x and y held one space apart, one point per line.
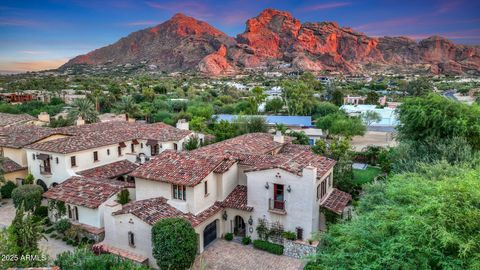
276 39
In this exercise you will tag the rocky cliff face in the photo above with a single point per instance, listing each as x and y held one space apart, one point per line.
273 37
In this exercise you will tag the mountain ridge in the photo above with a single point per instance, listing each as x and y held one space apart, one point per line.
275 38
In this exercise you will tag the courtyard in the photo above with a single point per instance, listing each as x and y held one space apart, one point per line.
230 255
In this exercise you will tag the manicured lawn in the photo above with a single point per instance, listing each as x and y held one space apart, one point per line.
361 177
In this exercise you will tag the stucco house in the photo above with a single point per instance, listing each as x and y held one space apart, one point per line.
226 187
85 200
106 150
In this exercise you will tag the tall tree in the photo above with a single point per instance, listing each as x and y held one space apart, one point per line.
83 108
370 117
419 87
128 106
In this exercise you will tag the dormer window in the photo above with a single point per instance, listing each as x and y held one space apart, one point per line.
95 156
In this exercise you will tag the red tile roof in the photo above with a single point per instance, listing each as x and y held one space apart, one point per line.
336 201
186 168
292 158
155 209
237 199
90 193
11 166
20 136
111 170
7 119
122 253
102 134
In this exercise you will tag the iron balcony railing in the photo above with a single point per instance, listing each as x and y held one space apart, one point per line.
277 205
45 170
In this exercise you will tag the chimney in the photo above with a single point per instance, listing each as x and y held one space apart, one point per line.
278 137
80 121
44 117
182 124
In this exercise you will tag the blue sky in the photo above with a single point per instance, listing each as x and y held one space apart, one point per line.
44 34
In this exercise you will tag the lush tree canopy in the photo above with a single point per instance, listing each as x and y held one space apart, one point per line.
341 124
423 220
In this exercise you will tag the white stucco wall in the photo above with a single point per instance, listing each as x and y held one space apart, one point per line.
16 154
301 209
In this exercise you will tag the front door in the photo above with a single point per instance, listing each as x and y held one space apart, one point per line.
239 229
209 233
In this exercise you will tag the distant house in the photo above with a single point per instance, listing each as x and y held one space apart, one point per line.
16 97
388 115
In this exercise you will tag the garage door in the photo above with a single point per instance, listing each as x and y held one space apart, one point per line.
210 233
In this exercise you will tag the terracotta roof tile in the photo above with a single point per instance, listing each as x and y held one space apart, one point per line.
80 191
20 136
11 166
336 201
102 134
155 209
7 119
237 199
111 170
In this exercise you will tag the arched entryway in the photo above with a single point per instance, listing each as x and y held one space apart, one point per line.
239 227
42 184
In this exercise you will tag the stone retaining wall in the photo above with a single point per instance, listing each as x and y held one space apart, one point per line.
298 249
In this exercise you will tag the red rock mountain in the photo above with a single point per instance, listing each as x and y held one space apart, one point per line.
274 38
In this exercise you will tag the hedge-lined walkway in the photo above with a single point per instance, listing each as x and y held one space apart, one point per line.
225 255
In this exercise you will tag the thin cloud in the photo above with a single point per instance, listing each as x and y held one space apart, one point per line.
141 23
192 8
33 52
324 6
18 22
448 6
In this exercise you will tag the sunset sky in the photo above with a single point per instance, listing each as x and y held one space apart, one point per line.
37 35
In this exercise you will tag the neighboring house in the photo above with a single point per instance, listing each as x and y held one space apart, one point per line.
14 139
102 146
7 119
13 171
226 187
16 97
388 115
85 200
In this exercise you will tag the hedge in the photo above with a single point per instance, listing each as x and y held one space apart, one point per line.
269 247
6 190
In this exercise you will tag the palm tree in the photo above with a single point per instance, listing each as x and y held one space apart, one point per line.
128 106
84 108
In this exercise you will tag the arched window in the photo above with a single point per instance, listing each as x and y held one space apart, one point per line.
69 211
75 212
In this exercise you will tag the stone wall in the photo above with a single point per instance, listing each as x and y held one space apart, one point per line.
298 249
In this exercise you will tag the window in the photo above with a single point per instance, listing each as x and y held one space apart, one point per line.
33 156
278 198
95 156
108 152
75 213
180 192
322 189
72 212
131 239
175 146
56 160
132 147
69 211
119 149
299 233
141 145
206 188
154 150
73 161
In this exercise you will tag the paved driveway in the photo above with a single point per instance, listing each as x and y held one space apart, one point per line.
7 212
225 255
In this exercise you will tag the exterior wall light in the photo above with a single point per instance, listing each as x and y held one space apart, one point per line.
224 215
289 189
267 185
250 221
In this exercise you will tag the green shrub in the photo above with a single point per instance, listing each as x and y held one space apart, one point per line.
41 212
49 230
123 197
229 236
69 242
28 195
6 190
246 240
64 239
269 247
62 225
166 236
28 179
289 235
84 258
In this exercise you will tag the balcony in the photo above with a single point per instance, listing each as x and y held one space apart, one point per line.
277 206
45 170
